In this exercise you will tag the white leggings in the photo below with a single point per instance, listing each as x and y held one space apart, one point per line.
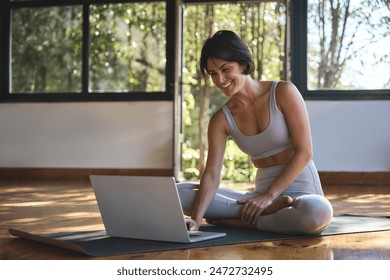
310 213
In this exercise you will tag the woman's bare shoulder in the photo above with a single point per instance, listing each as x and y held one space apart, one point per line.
218 122
288 96
286 87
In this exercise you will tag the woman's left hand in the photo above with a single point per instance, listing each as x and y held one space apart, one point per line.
253 207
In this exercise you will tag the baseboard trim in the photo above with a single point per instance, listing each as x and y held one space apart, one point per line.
77 174
327 178
355 178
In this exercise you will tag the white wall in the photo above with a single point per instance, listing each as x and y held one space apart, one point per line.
351 135
347 135
87 135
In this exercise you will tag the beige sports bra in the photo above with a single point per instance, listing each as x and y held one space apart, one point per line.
273 140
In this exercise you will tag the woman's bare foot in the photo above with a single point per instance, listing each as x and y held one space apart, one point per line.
280 203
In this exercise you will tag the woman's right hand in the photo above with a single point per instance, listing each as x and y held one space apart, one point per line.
191 224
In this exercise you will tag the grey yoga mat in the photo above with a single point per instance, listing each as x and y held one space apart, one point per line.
98 244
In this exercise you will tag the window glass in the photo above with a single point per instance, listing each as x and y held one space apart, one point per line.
128 47
46 49
348 44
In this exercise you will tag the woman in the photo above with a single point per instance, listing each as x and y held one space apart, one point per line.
269 122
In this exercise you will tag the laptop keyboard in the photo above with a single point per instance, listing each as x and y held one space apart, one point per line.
194 234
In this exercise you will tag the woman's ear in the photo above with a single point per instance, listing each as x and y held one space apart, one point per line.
244 68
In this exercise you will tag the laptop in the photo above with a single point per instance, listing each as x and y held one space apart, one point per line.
144 207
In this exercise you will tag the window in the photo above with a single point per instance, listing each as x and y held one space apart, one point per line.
57 50
343 52
344 58
46 44
127 48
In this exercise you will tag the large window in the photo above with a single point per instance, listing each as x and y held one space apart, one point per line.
87 50
341 49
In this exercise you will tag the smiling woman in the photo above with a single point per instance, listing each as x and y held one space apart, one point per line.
237 51
269 122
225 74
226 64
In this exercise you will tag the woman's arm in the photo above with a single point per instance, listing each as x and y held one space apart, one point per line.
217 135
292 105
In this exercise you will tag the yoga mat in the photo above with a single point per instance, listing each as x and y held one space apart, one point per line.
98 244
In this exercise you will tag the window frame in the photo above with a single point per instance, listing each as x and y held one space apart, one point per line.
299 63
6 7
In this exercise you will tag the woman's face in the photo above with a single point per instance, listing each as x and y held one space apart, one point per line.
227 76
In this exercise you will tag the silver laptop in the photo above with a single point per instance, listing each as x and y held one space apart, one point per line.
142 207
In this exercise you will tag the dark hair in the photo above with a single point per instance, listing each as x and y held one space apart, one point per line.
228 46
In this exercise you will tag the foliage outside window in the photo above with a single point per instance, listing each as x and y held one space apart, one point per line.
348 44
126 48
46 49
262 25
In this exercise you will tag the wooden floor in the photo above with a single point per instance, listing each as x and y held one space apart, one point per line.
49 206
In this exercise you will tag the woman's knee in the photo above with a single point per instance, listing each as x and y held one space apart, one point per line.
187 185
317 213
